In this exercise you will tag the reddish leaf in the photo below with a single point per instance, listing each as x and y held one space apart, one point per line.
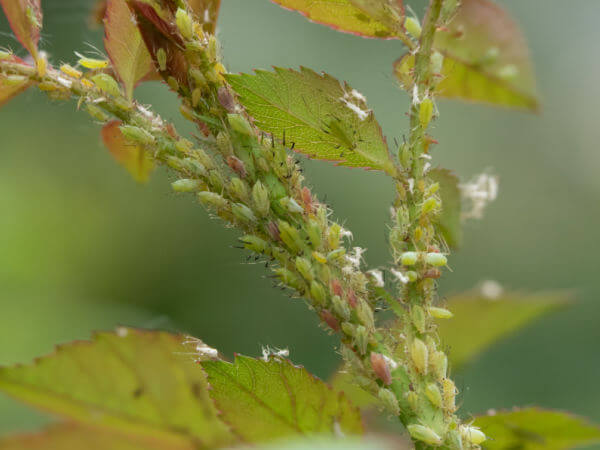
129 154
368 18
159 32
125 46
25 18
207 12
486 59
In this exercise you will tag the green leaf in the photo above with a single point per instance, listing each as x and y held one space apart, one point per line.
478 321
76 437
264 400
486 59
140 382
368 18
449 223
344 382
321 117
25 19
371 443
129 154
207 12
536 429
125 47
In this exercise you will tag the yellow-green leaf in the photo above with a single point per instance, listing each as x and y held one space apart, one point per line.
318 115
76 437
11 86
486 59
139 382
480 321
265 400
449 222
125 47
129 154
368 18
25 19
536 429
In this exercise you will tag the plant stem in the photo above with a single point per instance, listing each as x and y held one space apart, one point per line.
417 247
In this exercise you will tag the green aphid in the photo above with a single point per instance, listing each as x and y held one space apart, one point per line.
336 130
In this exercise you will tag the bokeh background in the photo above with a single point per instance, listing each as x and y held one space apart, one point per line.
82 247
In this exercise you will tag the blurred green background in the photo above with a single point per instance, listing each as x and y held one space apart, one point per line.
82 247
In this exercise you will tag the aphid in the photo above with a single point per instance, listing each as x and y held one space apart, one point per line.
351 296
473 434
449 397
336 254
361 339
70 71
425 434
305 268
439 364
390 401
330 319
335 129
432 392
226 99
319 257
184 23
91 63
425 112
48 86
212 199
409 258
173 84
32 17
243 213
336 287
365 315
413 27
107 84
136 134
240 124
340 307
420 355
436 259
87 83
273 230
161 59
433 273
237 165
96 113
381 368
440 313
317 292
417 315
291 205
437 62
260 198
186 185
254 243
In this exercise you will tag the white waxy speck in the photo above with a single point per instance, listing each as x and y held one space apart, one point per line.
490 289
377 276
400 276
122 332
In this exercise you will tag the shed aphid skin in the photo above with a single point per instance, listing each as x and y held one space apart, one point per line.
478 193
201 350
269 353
